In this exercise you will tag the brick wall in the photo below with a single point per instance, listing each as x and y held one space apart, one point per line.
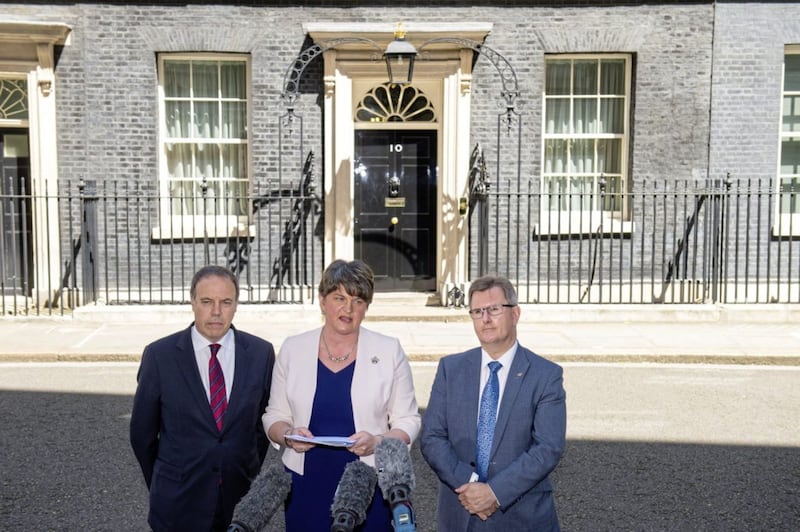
107 108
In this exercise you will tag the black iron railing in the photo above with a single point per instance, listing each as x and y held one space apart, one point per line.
727 241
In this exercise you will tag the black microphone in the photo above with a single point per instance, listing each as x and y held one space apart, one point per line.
396 480
267 493
353 496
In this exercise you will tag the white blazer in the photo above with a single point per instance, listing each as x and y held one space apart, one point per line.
382 391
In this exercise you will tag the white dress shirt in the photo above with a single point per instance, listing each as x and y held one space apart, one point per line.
225 355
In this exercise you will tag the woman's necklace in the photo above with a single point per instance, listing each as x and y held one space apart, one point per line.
330 356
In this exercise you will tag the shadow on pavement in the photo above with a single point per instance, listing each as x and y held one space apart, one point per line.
67 465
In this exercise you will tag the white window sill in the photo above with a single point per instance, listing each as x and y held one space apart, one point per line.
787 225
577 225
190 228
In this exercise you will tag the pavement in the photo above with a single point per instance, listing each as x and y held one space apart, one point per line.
724 334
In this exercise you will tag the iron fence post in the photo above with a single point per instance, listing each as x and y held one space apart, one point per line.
89 200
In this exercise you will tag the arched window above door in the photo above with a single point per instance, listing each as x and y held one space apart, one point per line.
390 102
13 99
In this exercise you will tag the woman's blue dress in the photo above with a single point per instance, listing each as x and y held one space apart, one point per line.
309 506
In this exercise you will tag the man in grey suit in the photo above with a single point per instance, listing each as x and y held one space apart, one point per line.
196 420
493 460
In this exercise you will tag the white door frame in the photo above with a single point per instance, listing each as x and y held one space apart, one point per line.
444 73
26 52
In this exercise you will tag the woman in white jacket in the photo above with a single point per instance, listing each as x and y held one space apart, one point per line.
342 381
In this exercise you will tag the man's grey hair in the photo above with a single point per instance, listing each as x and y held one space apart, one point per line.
487 282
213 271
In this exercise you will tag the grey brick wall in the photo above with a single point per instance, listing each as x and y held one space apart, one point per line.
106 92
746 108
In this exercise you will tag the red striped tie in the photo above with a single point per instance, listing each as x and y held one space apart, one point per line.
216 380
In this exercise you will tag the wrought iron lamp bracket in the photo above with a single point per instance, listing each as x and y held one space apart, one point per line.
508 76
291 80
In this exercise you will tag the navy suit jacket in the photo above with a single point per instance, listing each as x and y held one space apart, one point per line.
528 441
186 461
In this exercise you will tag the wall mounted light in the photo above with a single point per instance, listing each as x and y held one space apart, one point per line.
400 56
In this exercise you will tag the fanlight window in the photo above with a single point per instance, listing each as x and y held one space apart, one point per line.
13 99
395 103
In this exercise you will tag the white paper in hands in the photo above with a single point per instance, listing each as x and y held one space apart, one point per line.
330 441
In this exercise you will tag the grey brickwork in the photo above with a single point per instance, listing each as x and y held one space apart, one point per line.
682 128
746 112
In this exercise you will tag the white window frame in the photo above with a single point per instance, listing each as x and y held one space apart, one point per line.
786 224
218 223
586 220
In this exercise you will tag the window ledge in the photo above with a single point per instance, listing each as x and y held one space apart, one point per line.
787 225
563 224
190 229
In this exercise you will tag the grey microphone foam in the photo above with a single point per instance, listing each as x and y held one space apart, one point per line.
393 462
267 493
353 496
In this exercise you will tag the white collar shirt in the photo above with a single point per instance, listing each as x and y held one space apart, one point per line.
502 374
226 357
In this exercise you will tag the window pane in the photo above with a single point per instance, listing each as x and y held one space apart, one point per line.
790 195
612 115
585 116
555 156
176 79
585 77
204 79
233 80
582 156
790 157
206 120
207 161
178 118
557 116
612 77
558 73
609 155
184 195
234 161
791 75
791 113
234 120
179 160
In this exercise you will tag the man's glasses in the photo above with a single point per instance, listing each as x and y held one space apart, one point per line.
492 310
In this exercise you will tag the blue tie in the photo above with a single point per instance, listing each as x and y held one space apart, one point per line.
486 419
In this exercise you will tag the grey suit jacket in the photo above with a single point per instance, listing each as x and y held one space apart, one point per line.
528 441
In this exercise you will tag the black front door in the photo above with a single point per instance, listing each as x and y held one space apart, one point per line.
395 207
16 252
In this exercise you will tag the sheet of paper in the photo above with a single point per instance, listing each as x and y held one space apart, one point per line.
330 441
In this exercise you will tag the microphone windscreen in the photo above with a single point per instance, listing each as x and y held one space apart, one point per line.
267 493
393 462
355 491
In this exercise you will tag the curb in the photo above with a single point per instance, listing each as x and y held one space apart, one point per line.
744 360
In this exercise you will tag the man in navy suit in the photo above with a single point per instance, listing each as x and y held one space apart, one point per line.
506 487
198 463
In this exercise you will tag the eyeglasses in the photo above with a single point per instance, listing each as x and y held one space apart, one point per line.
492 310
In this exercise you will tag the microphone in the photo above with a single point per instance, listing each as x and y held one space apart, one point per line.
396 480
353 496
267 493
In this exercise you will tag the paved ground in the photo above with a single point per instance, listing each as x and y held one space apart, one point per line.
650 446
742 334
661 447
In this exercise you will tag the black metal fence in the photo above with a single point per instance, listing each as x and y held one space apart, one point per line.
726 241
663 242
